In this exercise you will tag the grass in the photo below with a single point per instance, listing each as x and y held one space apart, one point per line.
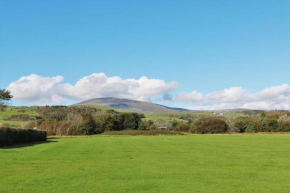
233 115
189 163
16 111
142 132
13 123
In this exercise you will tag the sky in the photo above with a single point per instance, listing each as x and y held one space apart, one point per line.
197 54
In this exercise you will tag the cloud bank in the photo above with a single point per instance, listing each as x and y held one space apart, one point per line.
38 90
276 97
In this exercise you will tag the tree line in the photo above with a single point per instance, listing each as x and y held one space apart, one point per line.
89 121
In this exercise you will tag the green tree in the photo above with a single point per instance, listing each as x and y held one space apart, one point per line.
88 125
5 96
250 128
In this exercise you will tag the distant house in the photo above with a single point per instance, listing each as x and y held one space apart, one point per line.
164 128
163 125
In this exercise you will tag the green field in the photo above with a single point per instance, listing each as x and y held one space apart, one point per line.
17 111
191 163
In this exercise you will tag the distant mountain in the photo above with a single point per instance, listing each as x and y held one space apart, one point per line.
131 105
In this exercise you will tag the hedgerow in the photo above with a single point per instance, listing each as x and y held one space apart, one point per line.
9 136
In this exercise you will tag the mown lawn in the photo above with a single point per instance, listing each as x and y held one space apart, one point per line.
196 163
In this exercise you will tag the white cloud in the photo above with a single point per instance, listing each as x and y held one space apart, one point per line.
276 97
38 90
192 97
35 89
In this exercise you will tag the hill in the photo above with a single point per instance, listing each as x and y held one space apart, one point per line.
131 105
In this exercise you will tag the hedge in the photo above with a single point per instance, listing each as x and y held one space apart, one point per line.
9 136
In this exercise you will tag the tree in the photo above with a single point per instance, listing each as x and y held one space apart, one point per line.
4 97
250 128
88 124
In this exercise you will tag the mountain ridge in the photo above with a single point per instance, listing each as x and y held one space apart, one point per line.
149 107
131 105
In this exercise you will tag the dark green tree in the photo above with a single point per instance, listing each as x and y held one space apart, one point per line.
5 96
88 124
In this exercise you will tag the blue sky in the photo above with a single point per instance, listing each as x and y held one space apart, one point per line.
205 46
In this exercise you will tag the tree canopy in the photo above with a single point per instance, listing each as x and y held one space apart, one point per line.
5 96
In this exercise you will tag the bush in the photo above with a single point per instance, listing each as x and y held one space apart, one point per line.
10 136
284 123
231 122
88 124
131 120
147 125
181 126
250 128
209 125
270 124
242 123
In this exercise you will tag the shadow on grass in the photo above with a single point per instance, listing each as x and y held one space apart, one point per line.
49 140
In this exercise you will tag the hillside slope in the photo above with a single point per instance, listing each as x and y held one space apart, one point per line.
131 105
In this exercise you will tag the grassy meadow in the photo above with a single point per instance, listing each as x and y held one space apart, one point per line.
16 111
189 163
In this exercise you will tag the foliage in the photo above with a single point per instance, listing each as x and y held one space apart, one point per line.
270 124
88 125
209 125
181 126
9 136
250 128
68 120
231 122
284 123
130 120
242 123
5 96
147 125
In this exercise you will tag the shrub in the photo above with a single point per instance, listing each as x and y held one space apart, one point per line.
10 136
242 123
231 122
270 124
88 124
250 128
181 126
284 123
147 125
131 120
209 125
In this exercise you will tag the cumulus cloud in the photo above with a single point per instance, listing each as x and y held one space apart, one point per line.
38 90
276 97
192 97
35 89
